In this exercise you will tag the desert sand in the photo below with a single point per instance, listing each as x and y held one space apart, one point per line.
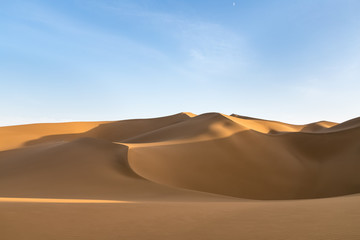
184 176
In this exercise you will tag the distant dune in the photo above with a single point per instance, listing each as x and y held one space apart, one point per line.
183 176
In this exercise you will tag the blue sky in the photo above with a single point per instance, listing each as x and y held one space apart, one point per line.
296 61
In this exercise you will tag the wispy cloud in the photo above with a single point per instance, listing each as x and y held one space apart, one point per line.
204 51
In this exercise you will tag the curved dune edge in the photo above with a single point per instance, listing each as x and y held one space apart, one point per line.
183 157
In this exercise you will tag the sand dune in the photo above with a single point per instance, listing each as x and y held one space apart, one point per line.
231 158
179 161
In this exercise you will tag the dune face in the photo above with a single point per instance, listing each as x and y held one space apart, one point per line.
223 161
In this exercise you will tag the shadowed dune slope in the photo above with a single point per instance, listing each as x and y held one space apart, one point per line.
180 156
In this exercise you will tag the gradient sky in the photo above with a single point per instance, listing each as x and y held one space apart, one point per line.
296 61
